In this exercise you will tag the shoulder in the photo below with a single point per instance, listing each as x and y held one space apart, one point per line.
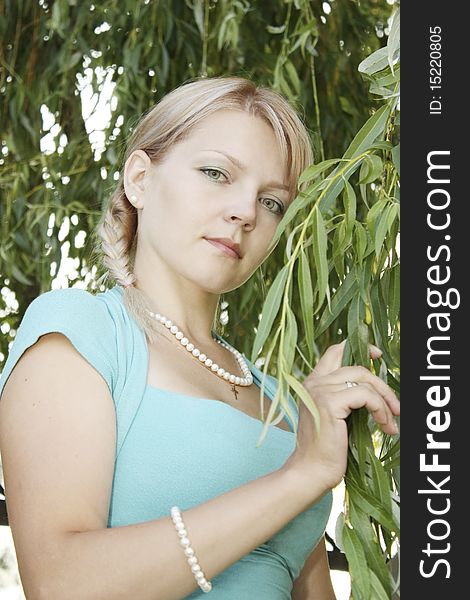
70 301
69 310
84 318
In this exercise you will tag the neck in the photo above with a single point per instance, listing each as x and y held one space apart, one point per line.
189 307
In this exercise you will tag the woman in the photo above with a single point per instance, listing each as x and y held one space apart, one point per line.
128 429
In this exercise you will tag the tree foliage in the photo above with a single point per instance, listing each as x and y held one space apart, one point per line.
336 273
341 278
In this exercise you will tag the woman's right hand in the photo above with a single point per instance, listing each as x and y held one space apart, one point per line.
323 454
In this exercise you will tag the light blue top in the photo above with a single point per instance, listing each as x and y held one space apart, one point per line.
174 449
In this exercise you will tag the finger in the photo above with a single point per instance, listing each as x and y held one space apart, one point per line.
360 396
360 374
329 361
374 351
333 358
366 387
341 387
390 423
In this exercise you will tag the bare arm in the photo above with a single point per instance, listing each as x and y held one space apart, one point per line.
57 439
314 580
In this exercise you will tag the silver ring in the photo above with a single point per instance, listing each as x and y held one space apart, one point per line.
350 384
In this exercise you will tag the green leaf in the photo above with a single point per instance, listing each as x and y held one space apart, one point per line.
301 42
368 133
74 58
393 43
360 574
282 396
378 590
198 11
373 214
366 136
275 402
290 241
19 276
375 62
56 19
23 242
388 78
385 222
293 76
371 506
386 93
290 340
359 441
333 185
305 397
341 298
221 37
379 310
380 482
394 295
306 300
393 450
347 106
248 291
371 169
339 239
374 555
314 171
391 464
272 346
361 241
358 332
339 531
350 206
381 145
320 248
395 507
27 125
359 339
364 276
396 157
269 311
284 86
299 202
164 64
273 29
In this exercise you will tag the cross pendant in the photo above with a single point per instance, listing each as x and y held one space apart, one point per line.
234 390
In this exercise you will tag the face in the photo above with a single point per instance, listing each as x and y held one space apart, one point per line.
226 180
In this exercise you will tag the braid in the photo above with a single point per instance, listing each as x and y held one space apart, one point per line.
117 231
116 235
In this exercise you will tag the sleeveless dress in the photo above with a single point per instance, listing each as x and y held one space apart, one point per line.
174 449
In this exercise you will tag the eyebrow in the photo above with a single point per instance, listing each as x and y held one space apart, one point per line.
242 167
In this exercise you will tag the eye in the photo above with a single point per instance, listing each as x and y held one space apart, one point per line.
274 206
213 174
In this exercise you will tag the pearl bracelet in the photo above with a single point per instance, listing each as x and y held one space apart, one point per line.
177 519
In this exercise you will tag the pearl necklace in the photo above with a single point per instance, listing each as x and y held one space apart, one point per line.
208 362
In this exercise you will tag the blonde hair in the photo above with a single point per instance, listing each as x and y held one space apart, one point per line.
167 123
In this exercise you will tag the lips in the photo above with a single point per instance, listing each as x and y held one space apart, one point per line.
229 247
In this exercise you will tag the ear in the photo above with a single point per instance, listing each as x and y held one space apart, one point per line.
135 170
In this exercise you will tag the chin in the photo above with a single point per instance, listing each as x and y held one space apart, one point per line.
218 287
216 279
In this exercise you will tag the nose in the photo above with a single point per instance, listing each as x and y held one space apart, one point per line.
243 211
